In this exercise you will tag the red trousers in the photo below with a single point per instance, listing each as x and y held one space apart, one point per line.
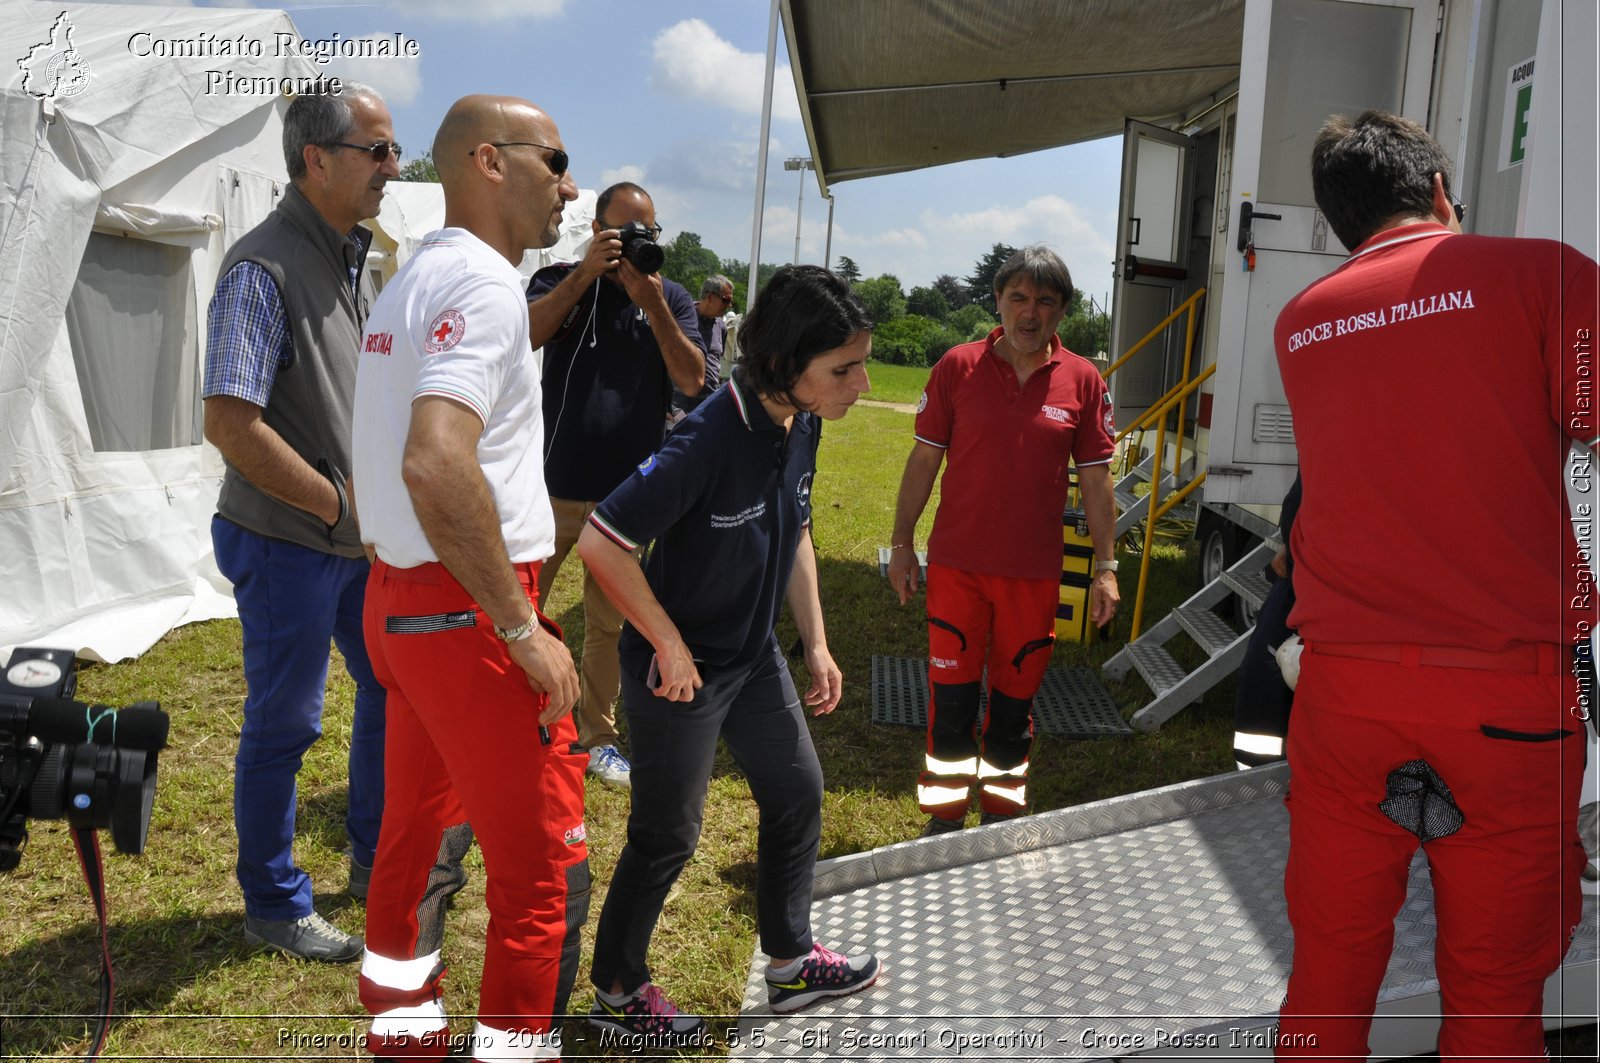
464 743
1505 885
977 621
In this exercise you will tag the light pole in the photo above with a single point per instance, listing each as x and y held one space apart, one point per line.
802 164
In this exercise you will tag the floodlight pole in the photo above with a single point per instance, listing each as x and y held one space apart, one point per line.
802 164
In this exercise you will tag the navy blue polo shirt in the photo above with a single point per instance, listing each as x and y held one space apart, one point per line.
725 501
606 386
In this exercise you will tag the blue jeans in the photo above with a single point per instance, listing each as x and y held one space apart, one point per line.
292 601
757 712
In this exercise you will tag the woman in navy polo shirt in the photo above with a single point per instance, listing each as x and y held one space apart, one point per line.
727 503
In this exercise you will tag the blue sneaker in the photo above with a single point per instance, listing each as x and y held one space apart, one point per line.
610 766
818 976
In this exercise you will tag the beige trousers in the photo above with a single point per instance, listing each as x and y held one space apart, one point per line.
599 680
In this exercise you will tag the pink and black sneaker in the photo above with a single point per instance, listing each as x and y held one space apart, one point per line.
645 1018
818 976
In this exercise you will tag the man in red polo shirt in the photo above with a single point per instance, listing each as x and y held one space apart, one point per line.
1008 416
1437 380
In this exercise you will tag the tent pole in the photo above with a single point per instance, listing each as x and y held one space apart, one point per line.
761 159
827 246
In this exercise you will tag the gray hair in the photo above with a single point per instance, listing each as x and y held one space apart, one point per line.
320 119
714 284
1040 265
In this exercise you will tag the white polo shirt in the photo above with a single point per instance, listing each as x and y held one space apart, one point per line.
453 322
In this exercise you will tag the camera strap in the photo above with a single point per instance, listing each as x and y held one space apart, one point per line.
87 842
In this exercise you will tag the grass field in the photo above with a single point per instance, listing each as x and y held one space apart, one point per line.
896 383
188 986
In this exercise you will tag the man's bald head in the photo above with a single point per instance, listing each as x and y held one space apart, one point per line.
504 172
474 120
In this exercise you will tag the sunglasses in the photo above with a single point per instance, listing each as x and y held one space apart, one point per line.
557 162
379 152
1460 208
654 231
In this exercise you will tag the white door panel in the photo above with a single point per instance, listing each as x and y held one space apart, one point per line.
1303 61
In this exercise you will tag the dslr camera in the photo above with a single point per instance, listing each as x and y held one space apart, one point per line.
640 249
92 765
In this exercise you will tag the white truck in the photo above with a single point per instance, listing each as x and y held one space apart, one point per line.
1218 104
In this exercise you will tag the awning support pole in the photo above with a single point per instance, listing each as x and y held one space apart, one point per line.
761 159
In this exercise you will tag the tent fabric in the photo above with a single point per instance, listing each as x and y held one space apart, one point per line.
892 85
103 549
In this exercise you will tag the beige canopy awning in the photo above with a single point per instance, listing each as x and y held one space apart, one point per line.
892 85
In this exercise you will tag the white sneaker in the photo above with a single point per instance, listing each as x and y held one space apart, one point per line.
608 763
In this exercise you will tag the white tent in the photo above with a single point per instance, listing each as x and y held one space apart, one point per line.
125 178
412 209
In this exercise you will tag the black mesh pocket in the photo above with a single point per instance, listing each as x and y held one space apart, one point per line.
1420 802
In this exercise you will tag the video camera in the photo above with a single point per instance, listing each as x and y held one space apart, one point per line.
92 765
639 248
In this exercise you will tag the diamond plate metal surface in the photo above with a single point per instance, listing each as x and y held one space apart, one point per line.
1156 666
1071 703
1208 630
1109 930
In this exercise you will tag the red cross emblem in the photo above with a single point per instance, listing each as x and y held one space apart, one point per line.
445 331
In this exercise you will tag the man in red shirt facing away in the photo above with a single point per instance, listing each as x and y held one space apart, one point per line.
1007 416
1438 601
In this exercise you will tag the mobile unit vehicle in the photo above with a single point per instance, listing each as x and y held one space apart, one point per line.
1218 104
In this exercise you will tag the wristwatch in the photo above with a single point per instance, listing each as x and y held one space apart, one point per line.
1104 566
521 631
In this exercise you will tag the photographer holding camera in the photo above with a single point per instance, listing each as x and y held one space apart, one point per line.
617 338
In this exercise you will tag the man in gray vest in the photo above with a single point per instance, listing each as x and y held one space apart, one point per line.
281 339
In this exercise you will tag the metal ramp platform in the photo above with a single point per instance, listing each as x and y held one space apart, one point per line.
1146 925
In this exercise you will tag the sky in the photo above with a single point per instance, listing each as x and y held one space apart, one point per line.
668 93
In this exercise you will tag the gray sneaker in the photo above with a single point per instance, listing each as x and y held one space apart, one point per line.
609 765
310 937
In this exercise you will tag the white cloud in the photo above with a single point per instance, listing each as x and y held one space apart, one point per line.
692 62
398 80
953 243
457 10
622 173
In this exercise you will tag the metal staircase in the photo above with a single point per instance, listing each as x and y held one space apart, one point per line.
1171 686
1132 506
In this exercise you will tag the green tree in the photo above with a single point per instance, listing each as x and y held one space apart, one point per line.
912 340
1086 329
981 284
928 302
420 169
955 293
971 322
884 298
688 262
739 272
848 269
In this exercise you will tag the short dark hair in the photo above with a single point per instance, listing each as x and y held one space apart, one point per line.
803 311
319 118
1366 171
1040 265
603 200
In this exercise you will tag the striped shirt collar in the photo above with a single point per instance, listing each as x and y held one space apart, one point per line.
1401 234
751 411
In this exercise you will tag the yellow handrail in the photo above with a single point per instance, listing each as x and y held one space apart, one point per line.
1187 304
1155 486
1149 542
1157 416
